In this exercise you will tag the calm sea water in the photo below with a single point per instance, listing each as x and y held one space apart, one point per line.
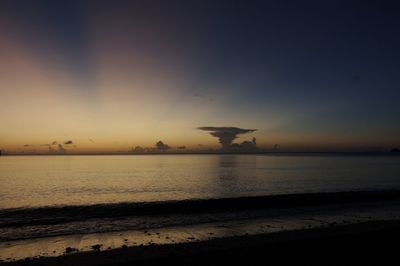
36 181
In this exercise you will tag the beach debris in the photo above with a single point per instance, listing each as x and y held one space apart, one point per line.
97 247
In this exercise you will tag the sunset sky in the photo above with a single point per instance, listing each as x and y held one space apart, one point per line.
110 75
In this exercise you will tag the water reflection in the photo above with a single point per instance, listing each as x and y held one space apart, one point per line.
74 180
227 167
236 174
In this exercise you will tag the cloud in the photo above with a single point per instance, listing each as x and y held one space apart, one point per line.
199 95
162 146
48 146
226 135
61 148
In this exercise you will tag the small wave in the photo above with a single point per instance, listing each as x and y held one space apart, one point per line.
65 214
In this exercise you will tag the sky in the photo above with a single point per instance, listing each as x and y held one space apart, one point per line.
106 76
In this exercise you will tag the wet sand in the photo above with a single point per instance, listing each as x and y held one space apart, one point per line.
369 243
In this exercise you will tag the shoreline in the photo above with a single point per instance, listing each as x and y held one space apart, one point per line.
186 229
372 242
31 223
189 206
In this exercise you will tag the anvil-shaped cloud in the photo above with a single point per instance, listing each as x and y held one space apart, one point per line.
226 135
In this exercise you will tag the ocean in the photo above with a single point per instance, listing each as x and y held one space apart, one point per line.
40 181
66 199
51 195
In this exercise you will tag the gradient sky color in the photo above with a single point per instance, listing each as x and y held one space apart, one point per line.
110 75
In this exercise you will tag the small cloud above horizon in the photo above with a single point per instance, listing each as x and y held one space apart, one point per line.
162 146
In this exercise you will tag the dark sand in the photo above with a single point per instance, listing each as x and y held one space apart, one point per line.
370 243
